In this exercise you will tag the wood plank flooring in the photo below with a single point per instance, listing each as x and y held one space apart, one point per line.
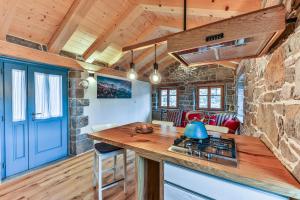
69 179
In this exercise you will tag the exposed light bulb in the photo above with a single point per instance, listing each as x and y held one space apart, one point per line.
155 77
132 75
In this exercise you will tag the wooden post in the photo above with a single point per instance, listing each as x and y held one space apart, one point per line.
148 179
139 170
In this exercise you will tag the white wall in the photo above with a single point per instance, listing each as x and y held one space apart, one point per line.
120 111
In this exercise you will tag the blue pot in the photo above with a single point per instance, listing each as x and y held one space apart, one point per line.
196 130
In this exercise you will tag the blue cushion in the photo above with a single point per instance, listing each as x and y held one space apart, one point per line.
106 148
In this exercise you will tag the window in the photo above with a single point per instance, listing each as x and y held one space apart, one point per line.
211 97
240 98
168 98
18 95
48 95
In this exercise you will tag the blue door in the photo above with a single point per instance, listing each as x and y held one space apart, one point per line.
47 114
35 102
16 124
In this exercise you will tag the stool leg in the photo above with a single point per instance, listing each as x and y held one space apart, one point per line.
99 177
95 170
125 170
115 167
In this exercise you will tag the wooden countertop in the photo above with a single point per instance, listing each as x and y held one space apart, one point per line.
257 166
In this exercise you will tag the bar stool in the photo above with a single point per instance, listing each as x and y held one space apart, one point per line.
102 152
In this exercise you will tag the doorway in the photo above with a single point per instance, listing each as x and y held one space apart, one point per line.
35 115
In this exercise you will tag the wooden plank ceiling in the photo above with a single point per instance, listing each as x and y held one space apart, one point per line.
98 29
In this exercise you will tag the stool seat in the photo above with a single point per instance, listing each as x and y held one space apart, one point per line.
106 148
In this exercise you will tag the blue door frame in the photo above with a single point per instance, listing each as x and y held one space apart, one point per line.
2 167
46 67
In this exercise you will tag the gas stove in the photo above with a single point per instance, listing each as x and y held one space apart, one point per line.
215 149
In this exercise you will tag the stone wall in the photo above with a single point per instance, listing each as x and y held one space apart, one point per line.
186 80
79 142
272 101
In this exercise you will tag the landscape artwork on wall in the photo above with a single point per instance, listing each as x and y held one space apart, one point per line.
109 88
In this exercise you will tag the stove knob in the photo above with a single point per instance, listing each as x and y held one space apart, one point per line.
177 141
188 145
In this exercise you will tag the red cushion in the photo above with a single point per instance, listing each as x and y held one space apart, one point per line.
195 116
232 124
183 120
212 120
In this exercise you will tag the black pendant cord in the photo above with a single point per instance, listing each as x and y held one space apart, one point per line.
184 15
155 53
155 65
131 64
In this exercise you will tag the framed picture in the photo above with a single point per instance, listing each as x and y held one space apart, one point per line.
110 88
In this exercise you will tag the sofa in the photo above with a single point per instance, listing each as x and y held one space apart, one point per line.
181 118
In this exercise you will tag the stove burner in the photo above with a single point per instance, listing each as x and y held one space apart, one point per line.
214 149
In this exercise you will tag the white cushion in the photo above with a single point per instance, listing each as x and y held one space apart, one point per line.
165 123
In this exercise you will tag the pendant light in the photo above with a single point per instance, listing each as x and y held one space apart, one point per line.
155 77
132 75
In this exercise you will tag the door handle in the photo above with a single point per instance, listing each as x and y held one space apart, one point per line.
34 115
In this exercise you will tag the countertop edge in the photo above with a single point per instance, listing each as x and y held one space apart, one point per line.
288 191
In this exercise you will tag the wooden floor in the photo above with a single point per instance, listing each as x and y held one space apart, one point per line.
69 179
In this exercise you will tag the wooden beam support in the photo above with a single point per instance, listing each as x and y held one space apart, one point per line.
224 9
130 14
234 23
224 5
7 10
8 49
21 52
105 70
69 24
228 64
199 12
147 44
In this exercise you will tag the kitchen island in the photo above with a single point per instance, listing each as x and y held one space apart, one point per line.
258 170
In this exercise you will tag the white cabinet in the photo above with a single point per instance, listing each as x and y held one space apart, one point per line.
194 185
172 192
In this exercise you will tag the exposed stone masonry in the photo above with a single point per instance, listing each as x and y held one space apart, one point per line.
79 142
272 101
186 80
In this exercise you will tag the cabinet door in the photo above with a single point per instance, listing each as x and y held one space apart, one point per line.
172 192
213 187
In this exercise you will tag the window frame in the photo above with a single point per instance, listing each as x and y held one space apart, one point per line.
168 97
209 87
